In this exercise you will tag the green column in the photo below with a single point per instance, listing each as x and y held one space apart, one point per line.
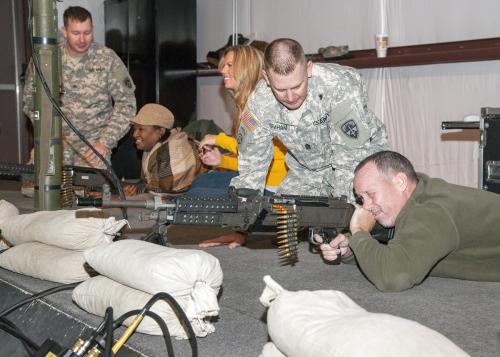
47 125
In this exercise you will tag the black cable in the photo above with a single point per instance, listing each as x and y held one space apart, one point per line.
180 315
108 316
56 106
177 309
9 327
163 326
37 296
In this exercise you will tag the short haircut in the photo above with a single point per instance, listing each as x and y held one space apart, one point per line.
282 56
390 162
76 13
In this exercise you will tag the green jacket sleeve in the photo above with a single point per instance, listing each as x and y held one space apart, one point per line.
423 237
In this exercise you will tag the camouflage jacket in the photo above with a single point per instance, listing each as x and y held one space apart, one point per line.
171 165
335 132
90 86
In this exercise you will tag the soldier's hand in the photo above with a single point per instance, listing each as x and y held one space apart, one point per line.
91 157
338 246
211 156
208 139
361 220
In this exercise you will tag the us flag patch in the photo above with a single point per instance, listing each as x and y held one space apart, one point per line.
249 120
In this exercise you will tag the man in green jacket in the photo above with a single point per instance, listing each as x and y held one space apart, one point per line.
441 229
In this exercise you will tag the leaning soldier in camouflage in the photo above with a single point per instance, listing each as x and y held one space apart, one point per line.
97 92
319 112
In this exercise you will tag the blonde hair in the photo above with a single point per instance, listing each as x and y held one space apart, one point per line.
248 64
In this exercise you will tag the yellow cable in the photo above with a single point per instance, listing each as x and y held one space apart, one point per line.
128 332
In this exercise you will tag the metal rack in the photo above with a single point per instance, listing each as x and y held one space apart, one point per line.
489 146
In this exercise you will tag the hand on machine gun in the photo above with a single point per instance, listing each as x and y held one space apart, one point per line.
332 248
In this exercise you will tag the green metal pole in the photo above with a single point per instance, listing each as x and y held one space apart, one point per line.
47 124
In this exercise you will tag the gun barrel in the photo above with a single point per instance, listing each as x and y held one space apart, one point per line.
447 125
98 202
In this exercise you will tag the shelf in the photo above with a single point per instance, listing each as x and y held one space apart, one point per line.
446 52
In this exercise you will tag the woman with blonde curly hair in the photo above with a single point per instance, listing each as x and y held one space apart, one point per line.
241 68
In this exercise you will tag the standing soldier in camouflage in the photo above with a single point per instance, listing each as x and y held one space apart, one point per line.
319 112
97 92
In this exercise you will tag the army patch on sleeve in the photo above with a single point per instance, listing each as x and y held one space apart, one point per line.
127 82
350 128
353 131
249 120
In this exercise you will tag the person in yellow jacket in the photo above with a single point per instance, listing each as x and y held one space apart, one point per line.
241 68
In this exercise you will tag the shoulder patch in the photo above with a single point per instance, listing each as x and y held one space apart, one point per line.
350 128
127 82
249 120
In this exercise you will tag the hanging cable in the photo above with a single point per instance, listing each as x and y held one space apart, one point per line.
108 316
37 296
14 331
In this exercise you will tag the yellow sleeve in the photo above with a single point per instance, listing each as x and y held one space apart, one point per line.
227 142
278 169
228 163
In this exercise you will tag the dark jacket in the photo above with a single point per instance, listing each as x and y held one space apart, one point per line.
443 230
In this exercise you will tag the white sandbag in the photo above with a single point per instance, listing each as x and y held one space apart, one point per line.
3 244
152 268
45 262
7 210
270 350
328 323
68 229
97 293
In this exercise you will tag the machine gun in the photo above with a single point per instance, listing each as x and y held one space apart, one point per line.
241 210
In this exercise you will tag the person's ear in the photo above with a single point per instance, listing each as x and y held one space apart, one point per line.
309 69
162 131
64 31
401 181
266 78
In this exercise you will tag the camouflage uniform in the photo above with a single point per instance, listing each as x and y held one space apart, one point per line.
335 132
89 88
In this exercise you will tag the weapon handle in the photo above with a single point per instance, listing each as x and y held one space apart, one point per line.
327 235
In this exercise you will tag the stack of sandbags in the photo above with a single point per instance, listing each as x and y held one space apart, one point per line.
49 244
133 271
7 210
328 323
